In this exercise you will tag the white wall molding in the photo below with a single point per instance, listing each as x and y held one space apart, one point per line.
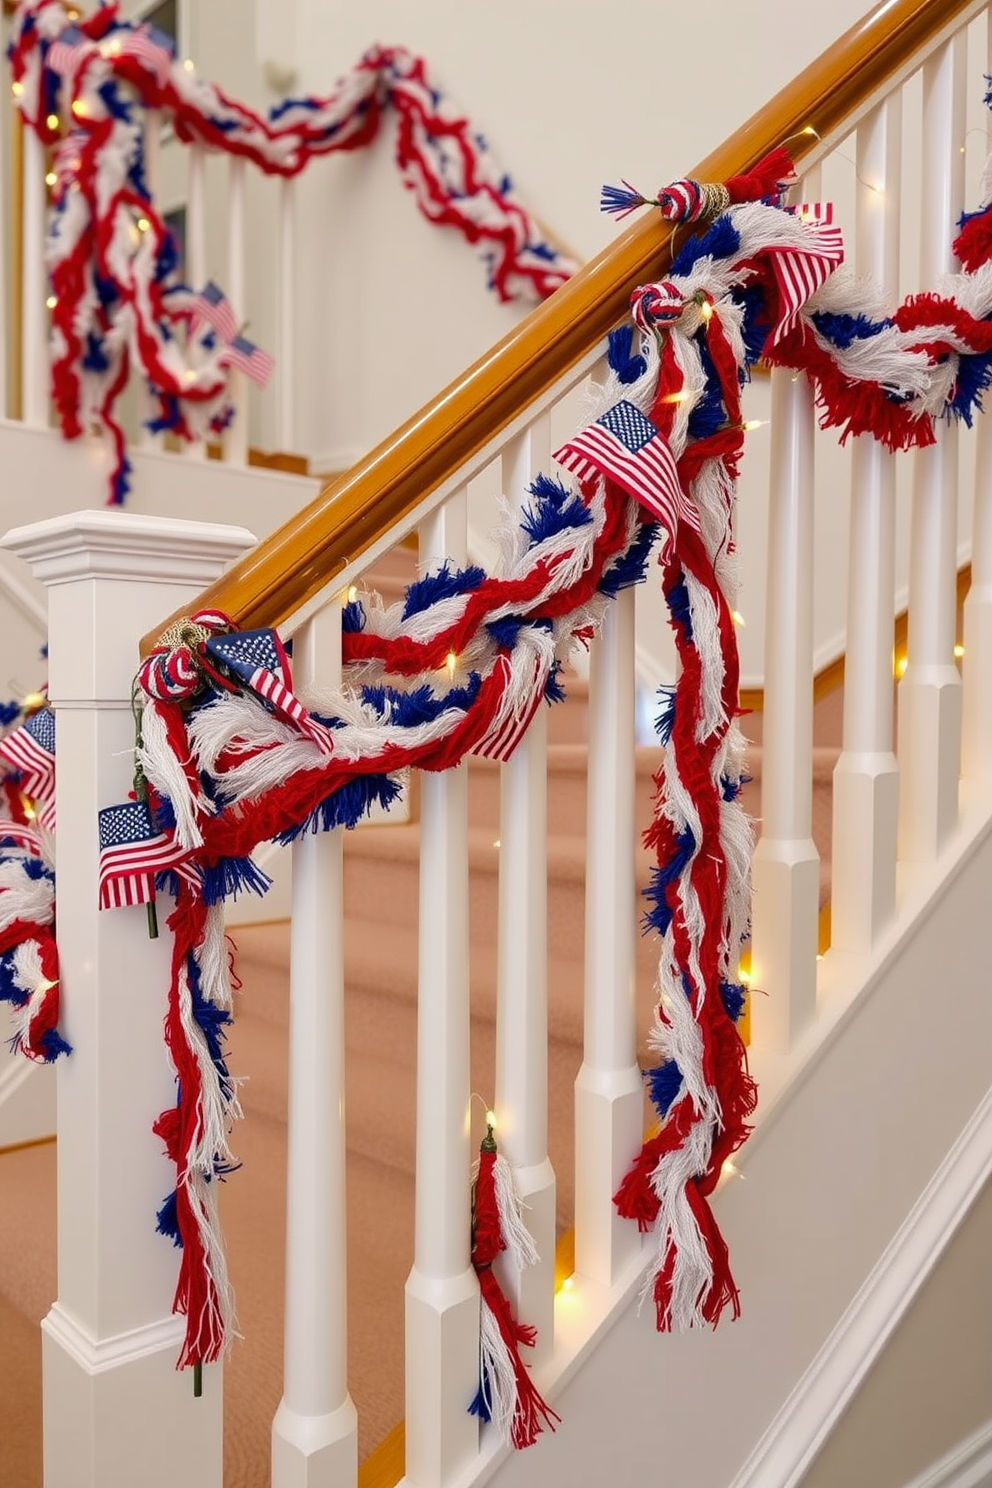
968 1465
788 1447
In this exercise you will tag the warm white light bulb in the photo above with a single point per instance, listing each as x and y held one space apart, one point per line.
53 120
51 302
491 1119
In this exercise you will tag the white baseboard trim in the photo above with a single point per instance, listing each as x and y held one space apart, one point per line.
784 1454
968 1465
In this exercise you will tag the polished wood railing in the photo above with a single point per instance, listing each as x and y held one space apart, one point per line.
304 555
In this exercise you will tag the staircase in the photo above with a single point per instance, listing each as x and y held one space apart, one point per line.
853 1191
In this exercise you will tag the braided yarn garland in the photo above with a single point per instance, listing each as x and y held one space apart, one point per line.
112 261
231 760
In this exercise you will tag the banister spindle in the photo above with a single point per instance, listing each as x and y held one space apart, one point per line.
786 863
442 1296
315 1433
930 691
34 322
609 1110
236 434
287 312
7 194
976 665
147 402
522 992
196 235
866 780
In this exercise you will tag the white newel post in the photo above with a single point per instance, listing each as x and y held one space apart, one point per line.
116 1411
522 1001
609 1102
442 1293
315 1431
786 863
930 691
866 780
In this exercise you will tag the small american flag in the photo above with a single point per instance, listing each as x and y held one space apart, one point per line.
213 306
249 359
152 48
258 659
30 750
132 851
625 445
800 272
67 51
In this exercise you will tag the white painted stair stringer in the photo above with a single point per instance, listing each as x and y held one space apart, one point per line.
848 1128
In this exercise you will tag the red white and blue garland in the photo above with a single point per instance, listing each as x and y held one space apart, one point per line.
230 757
85 87
29 967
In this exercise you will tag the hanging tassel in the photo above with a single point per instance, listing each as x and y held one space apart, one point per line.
507 1395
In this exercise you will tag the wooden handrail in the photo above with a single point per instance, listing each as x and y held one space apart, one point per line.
300 558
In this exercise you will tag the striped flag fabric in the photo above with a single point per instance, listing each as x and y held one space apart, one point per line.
21 836
212 305
132 851
152 48
67 51
249 359
258 659
625 446
512 722
800 272
30 750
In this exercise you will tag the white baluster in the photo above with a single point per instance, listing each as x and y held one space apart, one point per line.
609 1109
34 315
236 435
522 1007
287 313
196 237
147 402
442 1297
930 691
116 1411
977 662
6 145
315 1431
786 863
976 666
866 780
